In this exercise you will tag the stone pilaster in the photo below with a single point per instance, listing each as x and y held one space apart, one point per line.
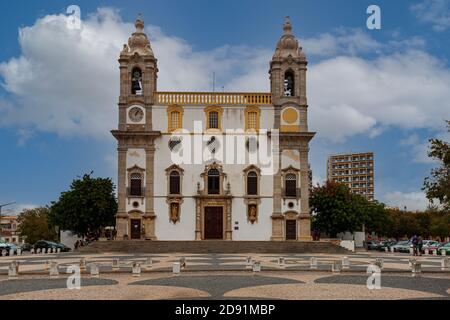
304 226
149 216
122 216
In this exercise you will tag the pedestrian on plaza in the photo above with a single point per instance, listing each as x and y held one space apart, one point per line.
114 234
76 245
419 245
415 241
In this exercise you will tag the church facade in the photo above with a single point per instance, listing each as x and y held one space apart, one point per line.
208 165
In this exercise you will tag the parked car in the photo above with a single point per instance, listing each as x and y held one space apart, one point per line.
446 247
44 244
428 244
372 245
63 247
8 246
386 244
402 246
436 246
26 247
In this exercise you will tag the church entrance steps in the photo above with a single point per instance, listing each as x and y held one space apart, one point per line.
212 246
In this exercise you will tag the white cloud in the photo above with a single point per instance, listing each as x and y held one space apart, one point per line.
407 90
66 81
434 12
412 200
342 41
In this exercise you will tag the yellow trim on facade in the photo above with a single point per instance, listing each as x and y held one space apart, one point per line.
210 109
289 128
249 110
170 110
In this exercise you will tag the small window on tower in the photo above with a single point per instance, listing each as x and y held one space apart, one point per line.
136 184
136 81
289 84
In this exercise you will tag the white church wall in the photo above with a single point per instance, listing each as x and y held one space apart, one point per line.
182 230
259 231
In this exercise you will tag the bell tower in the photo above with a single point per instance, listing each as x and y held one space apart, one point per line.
136 138
288 87
288 82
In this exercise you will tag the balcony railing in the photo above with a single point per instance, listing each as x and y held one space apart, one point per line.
291 196
135 194
210 98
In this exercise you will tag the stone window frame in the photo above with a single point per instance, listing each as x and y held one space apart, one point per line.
219 111
132 68
292 72
249 110
141 171
222 178
246 171
284 173
180 171
252 199
170 110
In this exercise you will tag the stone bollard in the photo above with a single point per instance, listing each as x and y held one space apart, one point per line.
386 249
411 263
148 263
256 266
336 267
427 252
379 263
54 250
94 270
58 250
416 268
176 268
313 262
443 252
248 262
4 253
32 251
445 264
13 270
54 272
19 252
115 264
345 263
136 270
435 252
411 251
392 249
182 262
82 264
281 262
11 252
38 251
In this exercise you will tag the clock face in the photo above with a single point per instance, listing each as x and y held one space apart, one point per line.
136 114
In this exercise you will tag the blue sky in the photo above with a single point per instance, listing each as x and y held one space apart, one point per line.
383 90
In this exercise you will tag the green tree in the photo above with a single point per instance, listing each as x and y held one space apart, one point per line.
89 205
34 226
437 186
335 209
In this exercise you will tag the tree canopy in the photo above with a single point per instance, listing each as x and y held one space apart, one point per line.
86 207
34 226
437 185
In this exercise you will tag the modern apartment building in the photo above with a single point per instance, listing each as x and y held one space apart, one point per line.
355 170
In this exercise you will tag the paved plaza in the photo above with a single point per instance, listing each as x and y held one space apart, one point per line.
225 276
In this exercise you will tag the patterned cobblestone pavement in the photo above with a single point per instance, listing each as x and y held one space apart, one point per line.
226 276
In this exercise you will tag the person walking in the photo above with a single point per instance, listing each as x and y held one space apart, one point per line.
419 245
415 241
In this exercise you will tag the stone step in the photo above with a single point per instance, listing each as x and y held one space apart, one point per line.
212 247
